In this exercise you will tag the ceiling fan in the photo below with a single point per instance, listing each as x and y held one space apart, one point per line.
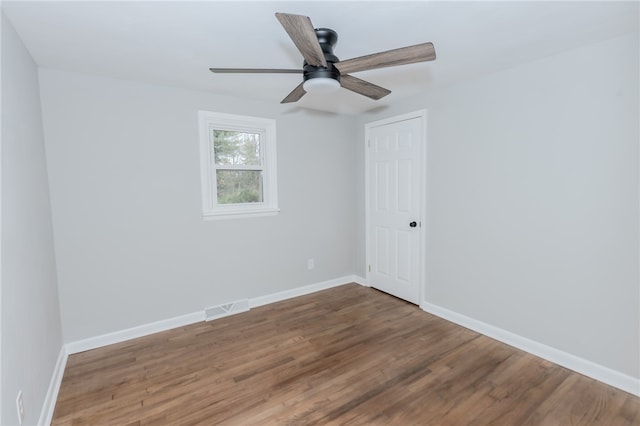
323 70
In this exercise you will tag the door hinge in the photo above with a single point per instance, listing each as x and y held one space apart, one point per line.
369 268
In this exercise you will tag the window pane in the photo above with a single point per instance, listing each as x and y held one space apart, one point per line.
236 148
239 186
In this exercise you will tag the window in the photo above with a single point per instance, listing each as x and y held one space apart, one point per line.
238 166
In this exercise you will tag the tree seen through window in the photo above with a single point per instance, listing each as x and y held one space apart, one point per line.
238 161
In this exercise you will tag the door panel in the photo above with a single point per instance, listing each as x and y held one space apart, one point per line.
394 202
382 258
382 192
403 243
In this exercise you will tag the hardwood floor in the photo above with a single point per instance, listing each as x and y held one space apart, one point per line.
348 355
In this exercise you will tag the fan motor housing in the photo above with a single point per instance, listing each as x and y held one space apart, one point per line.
327 39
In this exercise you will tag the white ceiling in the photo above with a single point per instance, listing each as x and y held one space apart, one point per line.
175 43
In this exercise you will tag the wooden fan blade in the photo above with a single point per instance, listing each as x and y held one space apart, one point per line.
255 70
295 95
405 55
304 37
362 87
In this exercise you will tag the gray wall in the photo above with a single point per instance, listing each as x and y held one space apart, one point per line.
532 200
31 329
131 244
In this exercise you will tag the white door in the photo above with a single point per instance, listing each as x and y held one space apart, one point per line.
394 206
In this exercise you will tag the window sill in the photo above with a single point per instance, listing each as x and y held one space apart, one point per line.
240 213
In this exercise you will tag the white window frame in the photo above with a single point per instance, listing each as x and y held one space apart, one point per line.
211 210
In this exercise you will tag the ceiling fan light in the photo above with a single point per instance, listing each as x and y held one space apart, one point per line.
321 85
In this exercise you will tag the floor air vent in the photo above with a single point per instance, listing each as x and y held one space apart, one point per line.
226 309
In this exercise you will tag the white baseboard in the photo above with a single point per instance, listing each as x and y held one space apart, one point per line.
588 368
134 332
300 291
359 280
180 321
49 404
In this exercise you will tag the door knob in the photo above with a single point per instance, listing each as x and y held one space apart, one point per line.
413 224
